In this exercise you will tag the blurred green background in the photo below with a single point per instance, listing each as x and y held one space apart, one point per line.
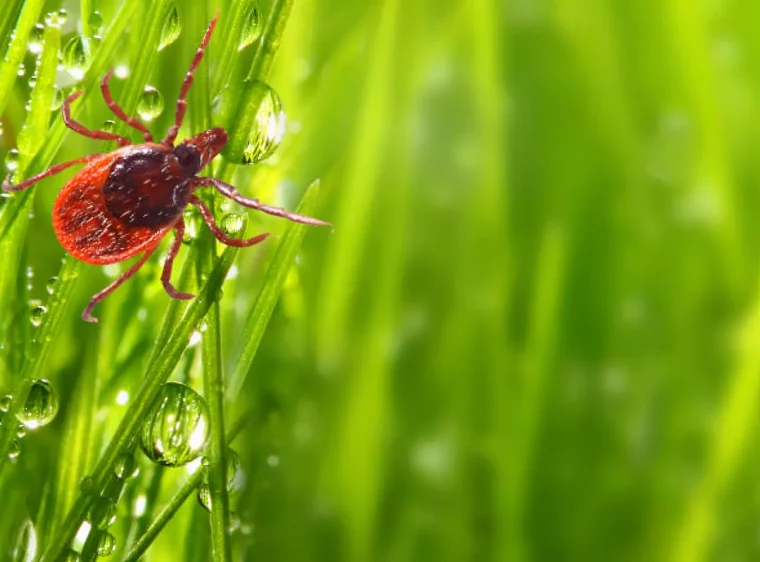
534 333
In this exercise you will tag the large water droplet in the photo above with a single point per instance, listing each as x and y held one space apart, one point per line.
172 28
102 513
177 431
151 104
75 57
236 479
268 126
37 315
25 549
233 224
106 543
41 405
251 28
36 39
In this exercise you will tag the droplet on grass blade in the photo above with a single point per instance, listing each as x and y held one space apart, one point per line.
171 29
268 126
37 315
151 104
36 38
41 405
75 57
236 479
25 549
251 28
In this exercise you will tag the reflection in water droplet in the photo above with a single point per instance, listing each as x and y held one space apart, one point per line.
41 405
177 431
232 224
14 450
172 28
36 38
268 126
151 104
236 479
26 543
63 16
75 57
106 543
251 28
192 220
37 314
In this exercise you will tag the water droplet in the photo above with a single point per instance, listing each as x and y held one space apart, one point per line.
26 543
53 19
192 219
268 126
14 450
236 479
233 224
51 285
63 16
21 431
96 21
106 543
121 71
36 39
37 314
87 485
75 57
5 403
251 28
109 126
11 160
41 405
234 522
177 431
102 513
57 100
126 467
151 104
172 28
21 69
71 556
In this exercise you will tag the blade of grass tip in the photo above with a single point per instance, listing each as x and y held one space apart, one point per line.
269 293
158 371
251 95
30 15
171 508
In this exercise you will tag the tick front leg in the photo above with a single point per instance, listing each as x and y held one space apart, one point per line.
231 192
84 131
219 234
166 274
26 184
119 112
87 313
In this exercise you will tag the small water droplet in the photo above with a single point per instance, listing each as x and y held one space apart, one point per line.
14 450
234 522
236 479
102 513
37 315
233 224
151 104
251 28
51 285
21 431
26 543
75 57
109 126
53 19
192 219
36 39
87 485
172 28
126 467
268 126
177 431
96 21
21 69
106 543
63 16
11 160
57 100
5 403
71 555
41 405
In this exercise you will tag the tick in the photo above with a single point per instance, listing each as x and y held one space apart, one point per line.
123 203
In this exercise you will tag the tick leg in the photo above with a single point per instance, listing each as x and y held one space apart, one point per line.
87 313
166 274
171 135
119 112
84 131
26 184
231 192
218 233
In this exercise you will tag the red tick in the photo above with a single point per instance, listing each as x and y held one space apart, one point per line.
123 203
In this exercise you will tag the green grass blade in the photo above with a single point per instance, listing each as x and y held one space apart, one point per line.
30 15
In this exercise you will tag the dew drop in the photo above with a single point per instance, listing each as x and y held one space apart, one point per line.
57 100
233 224
37 315
126 467
75 57
106 543
11 160
109 126
5 403
26 543
53 19
21 69
268 126
151 104
63 16
172 28
192 219
87 485
36 39
96 21
251 28
177 431
234 522
121 71
21 431
71 556
51 285
41 405
236 479
102 513
14 450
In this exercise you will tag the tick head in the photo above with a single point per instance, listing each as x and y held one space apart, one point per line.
196 152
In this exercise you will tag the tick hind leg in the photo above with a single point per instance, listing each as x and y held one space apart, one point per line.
84 131
231 192
119 112
87 313
26 184
166 274
218 233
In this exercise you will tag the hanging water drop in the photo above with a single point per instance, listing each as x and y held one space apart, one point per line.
236 479
75 57
96 21
5 403
14 450
109 125
151 104
268 126
25 549
171 29
71 555
21 431
233 224
106 543
51 285
11 163
126 467
41 405
177 431
192 219
57 100
251 28
102 513
37 315
36 39
63 16
53 19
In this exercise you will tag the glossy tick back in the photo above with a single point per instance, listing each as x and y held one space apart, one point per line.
123 203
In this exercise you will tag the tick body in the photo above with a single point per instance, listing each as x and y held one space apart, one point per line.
123 203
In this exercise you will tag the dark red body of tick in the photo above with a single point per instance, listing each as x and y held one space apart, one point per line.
123 203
